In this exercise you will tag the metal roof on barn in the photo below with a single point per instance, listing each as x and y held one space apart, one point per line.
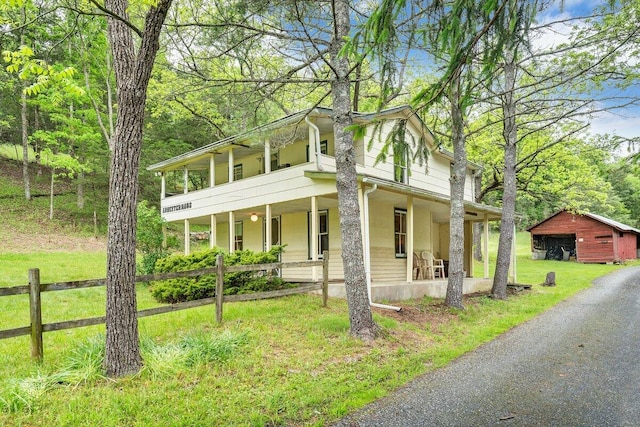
610 222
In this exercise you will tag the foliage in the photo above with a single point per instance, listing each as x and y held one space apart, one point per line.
150 237
85 365
192 350
188 289
23 62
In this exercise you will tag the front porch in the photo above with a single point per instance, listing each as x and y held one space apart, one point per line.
390 291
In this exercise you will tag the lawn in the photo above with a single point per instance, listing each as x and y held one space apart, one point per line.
290 361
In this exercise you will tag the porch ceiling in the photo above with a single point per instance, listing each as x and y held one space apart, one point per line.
440 212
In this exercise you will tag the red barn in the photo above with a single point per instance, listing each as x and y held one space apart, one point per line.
587 237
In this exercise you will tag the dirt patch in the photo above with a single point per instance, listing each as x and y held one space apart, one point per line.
23 243
432 314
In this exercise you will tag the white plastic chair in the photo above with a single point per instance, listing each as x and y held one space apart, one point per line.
419 266
435 265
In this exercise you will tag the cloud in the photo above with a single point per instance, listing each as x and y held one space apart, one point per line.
623 123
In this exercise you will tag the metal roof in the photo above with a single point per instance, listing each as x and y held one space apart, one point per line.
610 222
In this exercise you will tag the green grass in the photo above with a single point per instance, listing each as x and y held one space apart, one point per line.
283 362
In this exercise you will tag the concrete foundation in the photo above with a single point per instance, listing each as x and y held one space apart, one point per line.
399 291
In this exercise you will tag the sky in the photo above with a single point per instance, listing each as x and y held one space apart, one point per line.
624 122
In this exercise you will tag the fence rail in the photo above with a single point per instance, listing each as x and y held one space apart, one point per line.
35 288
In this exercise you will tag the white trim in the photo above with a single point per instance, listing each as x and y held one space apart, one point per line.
486 246
409 243
187 237
212 232
232 231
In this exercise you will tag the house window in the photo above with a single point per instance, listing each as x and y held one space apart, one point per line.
400 163
237 172
323 232
275 161
400 231
324 148
237 236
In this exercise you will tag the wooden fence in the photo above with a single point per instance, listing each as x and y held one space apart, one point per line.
35 288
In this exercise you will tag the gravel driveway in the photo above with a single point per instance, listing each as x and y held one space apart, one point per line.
577 364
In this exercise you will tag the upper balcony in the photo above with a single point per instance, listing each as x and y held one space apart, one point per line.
268 164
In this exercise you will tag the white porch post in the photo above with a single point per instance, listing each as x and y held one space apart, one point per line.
485 243
231 162
267 227
232 232
187 237
212 232
410 229
363 205
267 156
468 248
185 180
314 235
212 170
163 186
513 256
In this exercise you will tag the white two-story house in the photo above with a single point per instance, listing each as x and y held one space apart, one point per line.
275 184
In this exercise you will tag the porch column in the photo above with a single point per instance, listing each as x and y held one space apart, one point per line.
267 156
314 235
212 232
212 170
231 162
187 237
267 227
232 232
163 186
513 256
410 239
185 180
363 206
485 243
468 248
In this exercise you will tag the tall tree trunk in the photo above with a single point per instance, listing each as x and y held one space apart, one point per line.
510 134
477 227
37 148
25 145
80 190
360 317
133 71
53 177
456 221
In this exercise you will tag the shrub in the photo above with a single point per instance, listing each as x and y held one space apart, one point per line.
150 240
193 288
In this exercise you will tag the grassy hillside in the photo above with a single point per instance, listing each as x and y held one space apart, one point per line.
25 223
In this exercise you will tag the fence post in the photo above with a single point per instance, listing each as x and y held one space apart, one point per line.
219 286
325 277
35 312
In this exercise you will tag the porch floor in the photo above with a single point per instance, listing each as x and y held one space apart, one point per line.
400 291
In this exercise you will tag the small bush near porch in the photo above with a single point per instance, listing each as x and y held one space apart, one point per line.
189 289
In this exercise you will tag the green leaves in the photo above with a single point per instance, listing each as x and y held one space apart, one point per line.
23 63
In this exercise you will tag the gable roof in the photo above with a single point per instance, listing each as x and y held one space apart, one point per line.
610 222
